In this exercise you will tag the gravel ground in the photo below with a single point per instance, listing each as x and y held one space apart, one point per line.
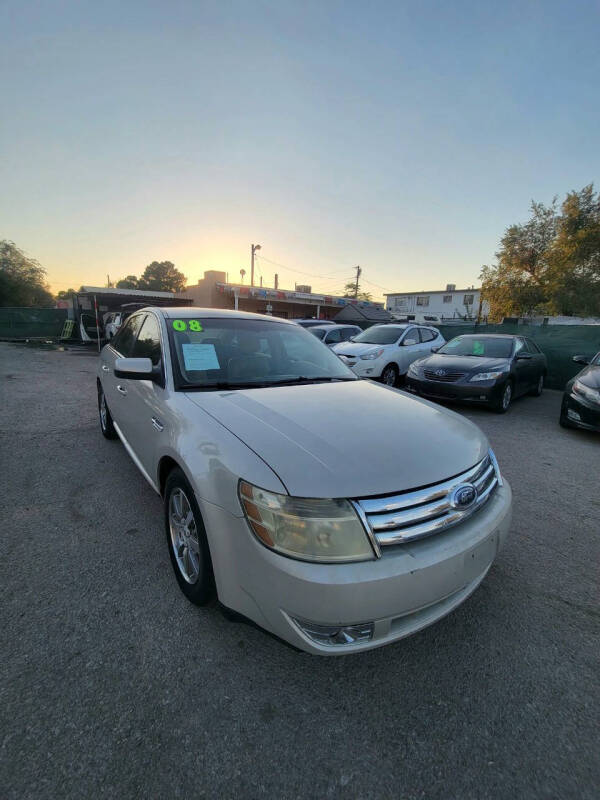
112 685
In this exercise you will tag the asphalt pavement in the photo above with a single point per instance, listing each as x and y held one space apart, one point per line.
113 685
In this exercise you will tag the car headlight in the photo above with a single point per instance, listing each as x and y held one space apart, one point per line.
593 395
414 368
486 376
372 354
304 528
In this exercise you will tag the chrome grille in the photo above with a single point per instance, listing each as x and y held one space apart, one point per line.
447 377
415 514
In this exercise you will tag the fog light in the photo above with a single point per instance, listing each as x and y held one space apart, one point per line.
573 415
335 635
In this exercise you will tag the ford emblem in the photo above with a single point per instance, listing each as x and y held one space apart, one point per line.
463 496
440 372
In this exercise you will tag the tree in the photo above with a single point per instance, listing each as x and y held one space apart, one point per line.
22 279
130 282
162 276
550 264
350 289
66 294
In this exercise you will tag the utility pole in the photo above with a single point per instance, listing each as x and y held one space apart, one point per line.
358 273
253 249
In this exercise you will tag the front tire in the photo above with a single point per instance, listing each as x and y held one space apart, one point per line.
106 423
389 375
502 405
186 540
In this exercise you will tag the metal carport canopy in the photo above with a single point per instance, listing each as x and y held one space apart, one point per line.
118 297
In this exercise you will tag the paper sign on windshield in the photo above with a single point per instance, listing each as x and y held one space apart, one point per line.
199 357
478 348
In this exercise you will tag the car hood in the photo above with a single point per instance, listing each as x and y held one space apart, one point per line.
466 364
590 376
347 439
356 348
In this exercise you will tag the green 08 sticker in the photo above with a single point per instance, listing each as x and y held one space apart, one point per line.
182 325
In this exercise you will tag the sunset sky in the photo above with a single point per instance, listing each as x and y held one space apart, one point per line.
403 137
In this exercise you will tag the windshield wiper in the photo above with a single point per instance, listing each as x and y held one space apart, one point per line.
300 379
305 379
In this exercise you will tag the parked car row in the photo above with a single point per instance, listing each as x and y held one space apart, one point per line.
488 369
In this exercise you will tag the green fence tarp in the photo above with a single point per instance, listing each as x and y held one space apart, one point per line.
558 342
32 323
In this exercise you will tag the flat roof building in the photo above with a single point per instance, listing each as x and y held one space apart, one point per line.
214 291
448 303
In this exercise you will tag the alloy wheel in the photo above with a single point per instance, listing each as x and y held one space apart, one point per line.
103 411
389 376
506 396
184 536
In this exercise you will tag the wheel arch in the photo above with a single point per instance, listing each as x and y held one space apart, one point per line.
165 466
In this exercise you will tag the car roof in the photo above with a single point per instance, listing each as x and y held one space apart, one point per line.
335 325
190 312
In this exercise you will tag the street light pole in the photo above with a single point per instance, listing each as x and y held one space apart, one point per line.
253 249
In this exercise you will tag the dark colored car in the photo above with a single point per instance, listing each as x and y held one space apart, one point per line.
309 323
581 400
481 368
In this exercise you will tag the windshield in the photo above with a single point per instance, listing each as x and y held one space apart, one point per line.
483 346
245 353
318 332
381 334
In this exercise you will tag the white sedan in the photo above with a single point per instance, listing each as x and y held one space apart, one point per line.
387 351
334 542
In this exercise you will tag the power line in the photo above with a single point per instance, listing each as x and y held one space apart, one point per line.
299 271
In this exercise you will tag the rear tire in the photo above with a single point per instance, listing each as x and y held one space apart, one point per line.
389 375
539 388
186 540
502 405
106 423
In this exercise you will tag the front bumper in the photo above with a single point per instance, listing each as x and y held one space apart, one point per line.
580 414
410 587
365 368
476 392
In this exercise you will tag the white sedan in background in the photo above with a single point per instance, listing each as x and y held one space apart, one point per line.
387 351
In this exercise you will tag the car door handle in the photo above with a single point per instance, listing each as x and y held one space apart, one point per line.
121 390
157 424
105 368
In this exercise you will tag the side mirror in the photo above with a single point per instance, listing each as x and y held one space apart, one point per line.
435 349
581 360
140 369
523 356
408 342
